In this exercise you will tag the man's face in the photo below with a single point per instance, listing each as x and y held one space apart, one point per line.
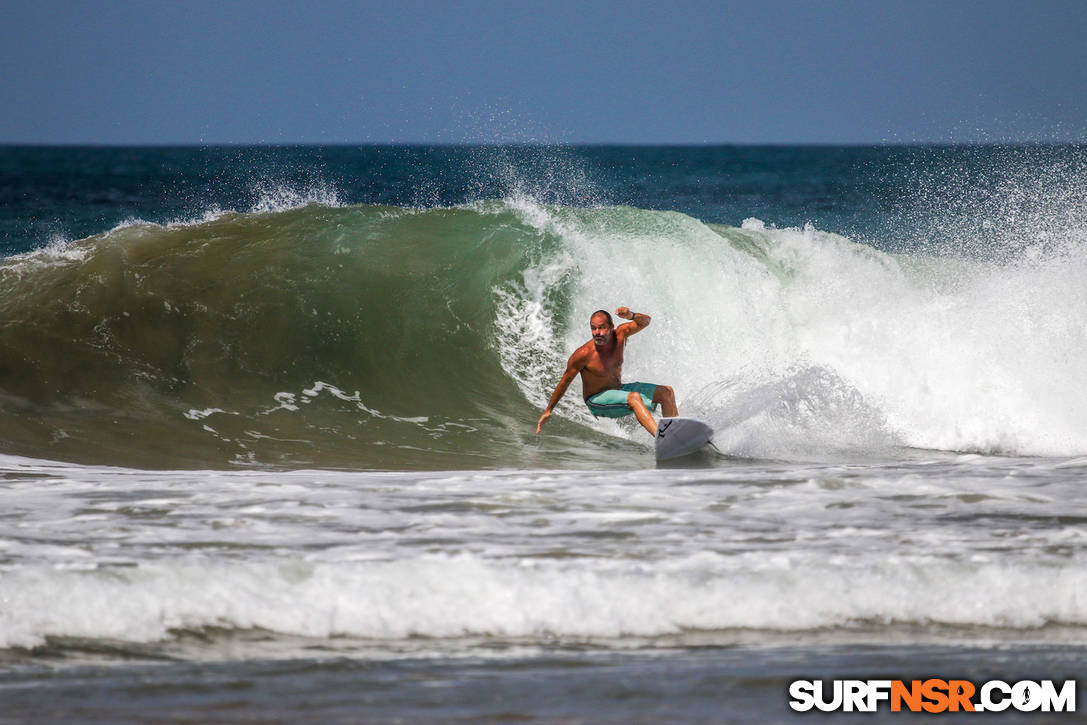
601 329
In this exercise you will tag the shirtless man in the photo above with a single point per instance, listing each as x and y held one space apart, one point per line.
600 363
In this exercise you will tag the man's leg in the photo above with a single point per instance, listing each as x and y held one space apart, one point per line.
666 399
634 400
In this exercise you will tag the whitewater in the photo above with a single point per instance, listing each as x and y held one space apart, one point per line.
818 551
282 440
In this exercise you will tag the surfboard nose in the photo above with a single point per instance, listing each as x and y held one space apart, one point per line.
680 436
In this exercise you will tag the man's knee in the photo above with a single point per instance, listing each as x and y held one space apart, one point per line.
664 394
633 399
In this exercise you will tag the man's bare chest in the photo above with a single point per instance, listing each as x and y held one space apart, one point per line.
606 365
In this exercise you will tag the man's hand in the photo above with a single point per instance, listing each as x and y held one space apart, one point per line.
638 322
543 419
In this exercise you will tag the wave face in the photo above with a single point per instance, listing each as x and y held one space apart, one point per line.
385 337
333 336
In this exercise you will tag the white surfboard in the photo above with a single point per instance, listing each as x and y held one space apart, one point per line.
680 436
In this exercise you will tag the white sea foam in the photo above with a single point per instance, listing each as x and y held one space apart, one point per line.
460 596
282 197
966 541
287 401
57 250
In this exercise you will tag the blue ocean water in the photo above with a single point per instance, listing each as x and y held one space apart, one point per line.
886 196
267 426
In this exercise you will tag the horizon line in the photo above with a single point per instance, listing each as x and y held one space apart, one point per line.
527 144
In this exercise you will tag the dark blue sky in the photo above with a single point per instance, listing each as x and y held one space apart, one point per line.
566 72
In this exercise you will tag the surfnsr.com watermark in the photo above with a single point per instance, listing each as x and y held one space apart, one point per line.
932 695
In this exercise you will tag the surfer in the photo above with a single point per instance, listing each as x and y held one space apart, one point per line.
600 364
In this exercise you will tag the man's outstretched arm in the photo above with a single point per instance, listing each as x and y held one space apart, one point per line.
638 321
572 368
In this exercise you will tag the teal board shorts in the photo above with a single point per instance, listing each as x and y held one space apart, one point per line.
613 403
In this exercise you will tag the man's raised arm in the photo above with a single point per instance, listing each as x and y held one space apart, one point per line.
638 321
572 367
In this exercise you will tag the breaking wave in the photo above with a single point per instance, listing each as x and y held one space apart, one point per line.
384 337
